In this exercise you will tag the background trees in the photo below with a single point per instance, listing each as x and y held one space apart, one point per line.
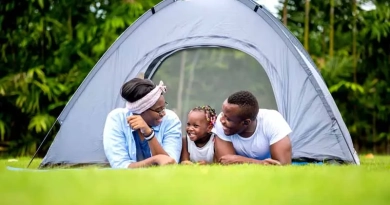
48 47
351 47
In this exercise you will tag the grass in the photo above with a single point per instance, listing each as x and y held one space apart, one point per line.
200 185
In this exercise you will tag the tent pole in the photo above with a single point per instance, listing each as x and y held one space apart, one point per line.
44 139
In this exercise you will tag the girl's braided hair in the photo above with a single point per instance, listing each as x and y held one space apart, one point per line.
211 116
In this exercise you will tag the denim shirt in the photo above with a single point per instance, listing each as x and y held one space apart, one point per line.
120 146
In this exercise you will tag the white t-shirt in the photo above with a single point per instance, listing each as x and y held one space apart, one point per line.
205 153
271 127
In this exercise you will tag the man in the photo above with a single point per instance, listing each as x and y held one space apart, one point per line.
247 134
144 133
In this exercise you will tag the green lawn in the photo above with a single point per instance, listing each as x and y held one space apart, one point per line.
200 185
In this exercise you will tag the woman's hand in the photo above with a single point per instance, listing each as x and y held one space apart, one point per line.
162 159
136 122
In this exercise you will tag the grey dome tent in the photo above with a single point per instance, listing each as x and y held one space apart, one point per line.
205 50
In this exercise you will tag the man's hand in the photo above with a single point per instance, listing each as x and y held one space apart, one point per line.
270 162
237 159
231 159
136 122
163 160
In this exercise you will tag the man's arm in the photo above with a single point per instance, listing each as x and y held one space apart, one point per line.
225 154
222 144
278 131
282 151
223 148
237 159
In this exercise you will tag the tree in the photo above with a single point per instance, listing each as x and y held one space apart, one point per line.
356 66
47 48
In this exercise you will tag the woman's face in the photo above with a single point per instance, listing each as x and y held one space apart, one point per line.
153 116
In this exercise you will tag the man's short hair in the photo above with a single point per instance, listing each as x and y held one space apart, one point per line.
247 103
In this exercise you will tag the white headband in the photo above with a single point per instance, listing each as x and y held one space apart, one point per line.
147 101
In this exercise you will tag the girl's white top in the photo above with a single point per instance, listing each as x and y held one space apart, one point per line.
205 153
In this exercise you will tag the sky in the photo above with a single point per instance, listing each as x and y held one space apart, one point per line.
270 5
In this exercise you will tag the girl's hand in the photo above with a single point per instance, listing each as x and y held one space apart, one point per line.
186 162
202 162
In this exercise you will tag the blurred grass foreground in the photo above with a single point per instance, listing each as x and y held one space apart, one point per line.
239 184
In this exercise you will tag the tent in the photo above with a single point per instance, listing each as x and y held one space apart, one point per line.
205 50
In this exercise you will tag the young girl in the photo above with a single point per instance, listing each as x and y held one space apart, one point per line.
198 145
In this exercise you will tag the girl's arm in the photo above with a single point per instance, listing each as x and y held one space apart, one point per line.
185 156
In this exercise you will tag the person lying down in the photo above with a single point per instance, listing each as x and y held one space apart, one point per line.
198 144
144 133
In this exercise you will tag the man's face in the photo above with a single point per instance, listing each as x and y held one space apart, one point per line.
154 115
231 120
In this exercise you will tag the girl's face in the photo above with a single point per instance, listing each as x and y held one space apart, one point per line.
197 126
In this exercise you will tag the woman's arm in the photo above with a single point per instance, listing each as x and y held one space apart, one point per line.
115 146
171 144
172 141
114 141
154 160
155 146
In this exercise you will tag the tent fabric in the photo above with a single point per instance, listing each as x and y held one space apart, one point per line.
301 95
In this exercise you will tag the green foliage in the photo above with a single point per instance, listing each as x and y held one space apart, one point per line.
47 49
3 128
354 87
39 123
361 92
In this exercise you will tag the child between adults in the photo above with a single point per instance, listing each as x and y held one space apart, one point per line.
198 144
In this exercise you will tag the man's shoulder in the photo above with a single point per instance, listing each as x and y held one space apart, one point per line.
218 130
267 114
268 117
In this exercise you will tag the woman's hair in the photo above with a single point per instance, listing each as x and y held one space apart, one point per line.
211 116
136 89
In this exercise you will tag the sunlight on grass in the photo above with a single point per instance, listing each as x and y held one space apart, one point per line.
240 184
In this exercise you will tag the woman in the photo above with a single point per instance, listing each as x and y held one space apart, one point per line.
144 133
